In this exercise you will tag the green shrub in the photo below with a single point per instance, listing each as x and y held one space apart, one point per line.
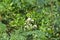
29 19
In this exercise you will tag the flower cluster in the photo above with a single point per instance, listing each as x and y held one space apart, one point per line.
29 25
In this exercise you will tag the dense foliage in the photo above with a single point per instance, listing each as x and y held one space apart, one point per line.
29 20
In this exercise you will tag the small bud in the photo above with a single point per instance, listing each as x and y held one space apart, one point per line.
11 4
24 23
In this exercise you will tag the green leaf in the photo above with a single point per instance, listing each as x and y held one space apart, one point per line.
2 27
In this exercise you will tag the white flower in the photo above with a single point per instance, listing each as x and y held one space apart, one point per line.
32 20
28 19
25 26
35 26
